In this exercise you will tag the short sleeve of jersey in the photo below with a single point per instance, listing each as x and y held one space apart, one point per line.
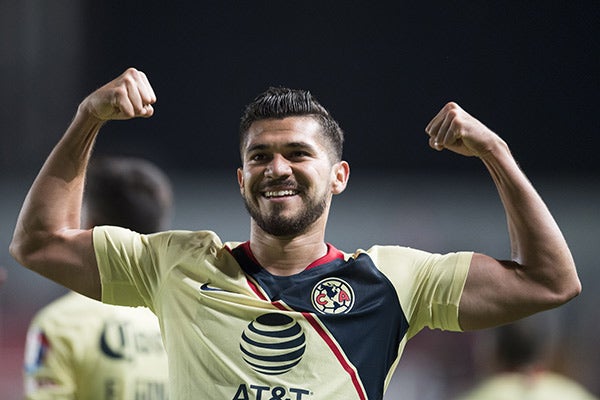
133 266
429 286
123 257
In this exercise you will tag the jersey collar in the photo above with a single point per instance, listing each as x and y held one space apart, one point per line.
244 256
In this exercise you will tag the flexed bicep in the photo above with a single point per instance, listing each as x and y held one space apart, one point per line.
497 292
48 238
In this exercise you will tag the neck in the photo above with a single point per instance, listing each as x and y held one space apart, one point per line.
287 255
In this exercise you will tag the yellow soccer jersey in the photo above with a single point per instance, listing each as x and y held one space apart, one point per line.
236 332
79 348
535 386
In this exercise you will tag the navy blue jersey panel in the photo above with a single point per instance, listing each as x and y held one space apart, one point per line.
368 326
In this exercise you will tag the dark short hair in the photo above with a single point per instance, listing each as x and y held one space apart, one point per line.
526 342
281 102
129 192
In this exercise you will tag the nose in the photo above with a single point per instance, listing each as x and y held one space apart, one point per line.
278 166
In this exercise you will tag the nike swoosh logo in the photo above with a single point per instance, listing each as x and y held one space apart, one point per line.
210 288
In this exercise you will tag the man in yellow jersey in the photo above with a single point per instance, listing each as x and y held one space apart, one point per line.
286 315
80 348
518 361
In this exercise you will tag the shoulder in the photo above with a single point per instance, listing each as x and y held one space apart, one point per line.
396 256
378 252
117 237
410 257
120 232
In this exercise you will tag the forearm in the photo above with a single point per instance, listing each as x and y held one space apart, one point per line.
537 244
541 273
53 203
47 238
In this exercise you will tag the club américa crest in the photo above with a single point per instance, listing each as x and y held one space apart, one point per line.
332 296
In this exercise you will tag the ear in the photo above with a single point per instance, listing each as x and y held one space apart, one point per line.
240 178
341 174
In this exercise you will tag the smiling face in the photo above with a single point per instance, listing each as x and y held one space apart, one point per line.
288 176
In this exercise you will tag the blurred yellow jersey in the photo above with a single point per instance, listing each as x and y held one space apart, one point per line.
534 386
79 348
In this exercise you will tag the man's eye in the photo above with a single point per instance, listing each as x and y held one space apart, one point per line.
257 157
299 153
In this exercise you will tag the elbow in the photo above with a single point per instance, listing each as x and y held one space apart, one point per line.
559 282
566 291
18 252
572 284
15 251
573 290
27 250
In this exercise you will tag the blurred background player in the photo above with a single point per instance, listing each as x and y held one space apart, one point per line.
518 359
79 348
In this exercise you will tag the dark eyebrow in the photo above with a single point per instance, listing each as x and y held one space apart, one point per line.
300 145
291 145
256 147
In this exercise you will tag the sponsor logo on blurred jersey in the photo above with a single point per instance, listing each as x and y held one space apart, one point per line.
122 341
37 348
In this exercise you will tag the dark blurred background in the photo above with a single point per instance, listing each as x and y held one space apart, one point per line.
528 70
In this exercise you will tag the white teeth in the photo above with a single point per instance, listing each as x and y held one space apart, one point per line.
280 193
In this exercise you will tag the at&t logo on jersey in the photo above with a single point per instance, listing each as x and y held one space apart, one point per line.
273 344
332 296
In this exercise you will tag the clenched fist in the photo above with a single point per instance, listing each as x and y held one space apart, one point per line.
128 96
456 130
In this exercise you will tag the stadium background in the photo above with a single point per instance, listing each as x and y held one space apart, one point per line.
529 70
